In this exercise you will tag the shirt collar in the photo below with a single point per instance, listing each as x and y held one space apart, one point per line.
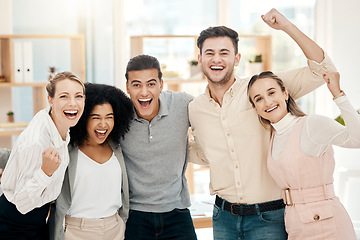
231 91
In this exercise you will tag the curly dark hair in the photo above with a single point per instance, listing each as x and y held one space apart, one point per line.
98 94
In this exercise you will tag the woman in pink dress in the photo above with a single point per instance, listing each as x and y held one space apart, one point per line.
301 157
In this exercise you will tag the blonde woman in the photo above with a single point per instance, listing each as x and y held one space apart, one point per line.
33 176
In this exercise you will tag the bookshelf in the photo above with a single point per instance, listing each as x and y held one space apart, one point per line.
77 59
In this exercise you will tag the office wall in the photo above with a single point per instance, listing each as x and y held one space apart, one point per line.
338 24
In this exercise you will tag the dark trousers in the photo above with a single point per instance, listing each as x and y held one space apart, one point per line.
176 224
15 225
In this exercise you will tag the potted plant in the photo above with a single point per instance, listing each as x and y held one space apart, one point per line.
254 65
194 68
10 116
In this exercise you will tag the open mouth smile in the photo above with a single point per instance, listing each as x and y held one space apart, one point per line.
100 133
217 68
71 114
145 102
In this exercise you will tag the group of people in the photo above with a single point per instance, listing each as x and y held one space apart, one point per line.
120 170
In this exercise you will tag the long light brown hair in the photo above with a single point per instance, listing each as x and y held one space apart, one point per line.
292 107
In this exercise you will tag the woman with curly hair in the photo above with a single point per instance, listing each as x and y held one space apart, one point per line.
94 200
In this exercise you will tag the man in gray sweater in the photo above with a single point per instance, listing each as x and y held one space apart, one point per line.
155 153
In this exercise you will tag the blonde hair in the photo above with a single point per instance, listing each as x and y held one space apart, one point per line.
51 86
292 107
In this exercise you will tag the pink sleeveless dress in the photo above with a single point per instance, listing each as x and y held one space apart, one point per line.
313 211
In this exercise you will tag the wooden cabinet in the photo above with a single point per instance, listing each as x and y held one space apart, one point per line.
77 58
179 50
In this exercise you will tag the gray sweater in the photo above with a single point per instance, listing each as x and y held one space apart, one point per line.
155 155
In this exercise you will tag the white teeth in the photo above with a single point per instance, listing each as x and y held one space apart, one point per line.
71 112
145 100
217 68
102 132
269 110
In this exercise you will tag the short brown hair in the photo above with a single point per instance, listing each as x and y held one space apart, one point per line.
219 31
143 62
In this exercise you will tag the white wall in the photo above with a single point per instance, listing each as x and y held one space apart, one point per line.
338 24
5 17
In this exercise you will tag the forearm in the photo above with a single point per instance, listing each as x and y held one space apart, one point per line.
195 154
311 50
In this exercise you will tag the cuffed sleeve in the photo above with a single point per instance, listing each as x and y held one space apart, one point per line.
301 81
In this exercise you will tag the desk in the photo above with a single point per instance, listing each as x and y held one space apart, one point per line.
202 222
201 210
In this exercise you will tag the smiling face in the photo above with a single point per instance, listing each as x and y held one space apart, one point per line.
144 87
100 124
67 105
218 59
269 101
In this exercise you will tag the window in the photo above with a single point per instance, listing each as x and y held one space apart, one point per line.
245 18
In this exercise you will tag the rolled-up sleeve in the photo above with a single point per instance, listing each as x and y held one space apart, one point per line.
301 81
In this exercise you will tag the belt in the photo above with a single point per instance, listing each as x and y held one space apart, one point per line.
249 209
308 195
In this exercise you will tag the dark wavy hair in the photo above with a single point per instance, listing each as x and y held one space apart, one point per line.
292 107
98 94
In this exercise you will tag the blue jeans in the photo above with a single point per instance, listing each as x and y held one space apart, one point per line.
176 224
263 226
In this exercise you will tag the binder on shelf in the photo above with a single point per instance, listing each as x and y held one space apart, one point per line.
18 62
23 62
28 62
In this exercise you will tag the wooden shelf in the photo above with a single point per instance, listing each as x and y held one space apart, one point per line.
30 84
77 65
9 129
202 222
77 48
10 132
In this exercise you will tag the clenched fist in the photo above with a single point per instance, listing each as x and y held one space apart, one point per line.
50 161
332 80
276 20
